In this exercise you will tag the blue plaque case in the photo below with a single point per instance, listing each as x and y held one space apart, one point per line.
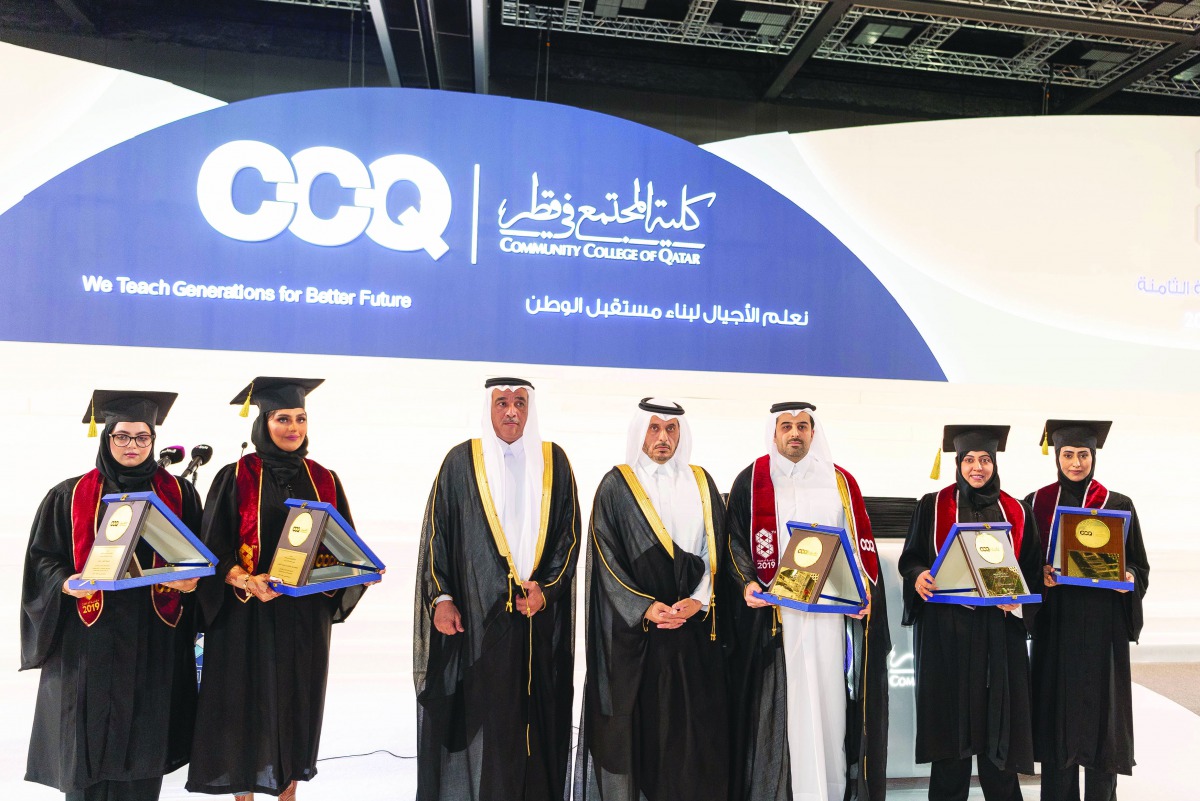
186 556
827 603
1059 511
963 591
356 563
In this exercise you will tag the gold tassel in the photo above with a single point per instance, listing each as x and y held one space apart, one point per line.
1045 443
936 472
508 606
92 424
245 412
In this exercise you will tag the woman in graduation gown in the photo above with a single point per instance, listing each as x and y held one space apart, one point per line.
266 660
972 668
1082 701
117 694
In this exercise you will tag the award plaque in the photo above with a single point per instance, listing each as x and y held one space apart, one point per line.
319 551
1087 547
977 567
817 572
135 517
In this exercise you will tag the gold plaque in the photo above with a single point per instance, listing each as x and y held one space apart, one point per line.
1002 581
118 522
104 563
990 549
796 585
807 552
1092 532
301 528
287 566
1095 566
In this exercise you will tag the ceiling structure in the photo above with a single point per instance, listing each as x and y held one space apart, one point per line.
919 58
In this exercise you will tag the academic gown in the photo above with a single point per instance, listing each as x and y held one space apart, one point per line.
494 701
972 668
116 699
654 718
262 691
1083 705
760 769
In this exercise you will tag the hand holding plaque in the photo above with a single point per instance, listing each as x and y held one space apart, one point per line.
136 517
977 567
319 551
1087 547
817 572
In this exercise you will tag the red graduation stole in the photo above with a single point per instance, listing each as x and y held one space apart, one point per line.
248 475
85 517
946 515
764 527
1045 501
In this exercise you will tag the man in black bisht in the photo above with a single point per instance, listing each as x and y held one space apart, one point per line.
972 667
1083 708
654 722
493 642
807 723
117 696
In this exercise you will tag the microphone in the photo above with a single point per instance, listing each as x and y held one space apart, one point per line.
170 456
200 456
244 444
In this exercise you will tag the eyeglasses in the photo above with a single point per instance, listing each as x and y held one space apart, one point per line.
142 440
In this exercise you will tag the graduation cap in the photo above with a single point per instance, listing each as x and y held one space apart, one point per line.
1080 433
275 392
128 406
506 381
656 406
972 437
792 406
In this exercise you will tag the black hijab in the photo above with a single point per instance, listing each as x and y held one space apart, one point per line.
126 479
283 465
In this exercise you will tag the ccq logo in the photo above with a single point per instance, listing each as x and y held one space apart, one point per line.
414 229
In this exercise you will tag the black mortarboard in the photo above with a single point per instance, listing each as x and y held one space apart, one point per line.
269 393
668 408
963 438
506 381
792 406
126 406
1080 433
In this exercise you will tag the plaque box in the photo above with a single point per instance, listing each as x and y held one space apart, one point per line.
977 567
134 517
1087 547
296 569
817 572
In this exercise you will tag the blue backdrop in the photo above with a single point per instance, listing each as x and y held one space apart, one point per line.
449 226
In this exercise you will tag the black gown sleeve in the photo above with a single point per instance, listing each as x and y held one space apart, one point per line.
1031 560
556 572
49 561
610 519
917 556
1137 563
220 532
345 599
739 566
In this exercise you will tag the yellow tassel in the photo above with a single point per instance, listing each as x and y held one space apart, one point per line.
1045 443
508 606
245 412
936 472
92 424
